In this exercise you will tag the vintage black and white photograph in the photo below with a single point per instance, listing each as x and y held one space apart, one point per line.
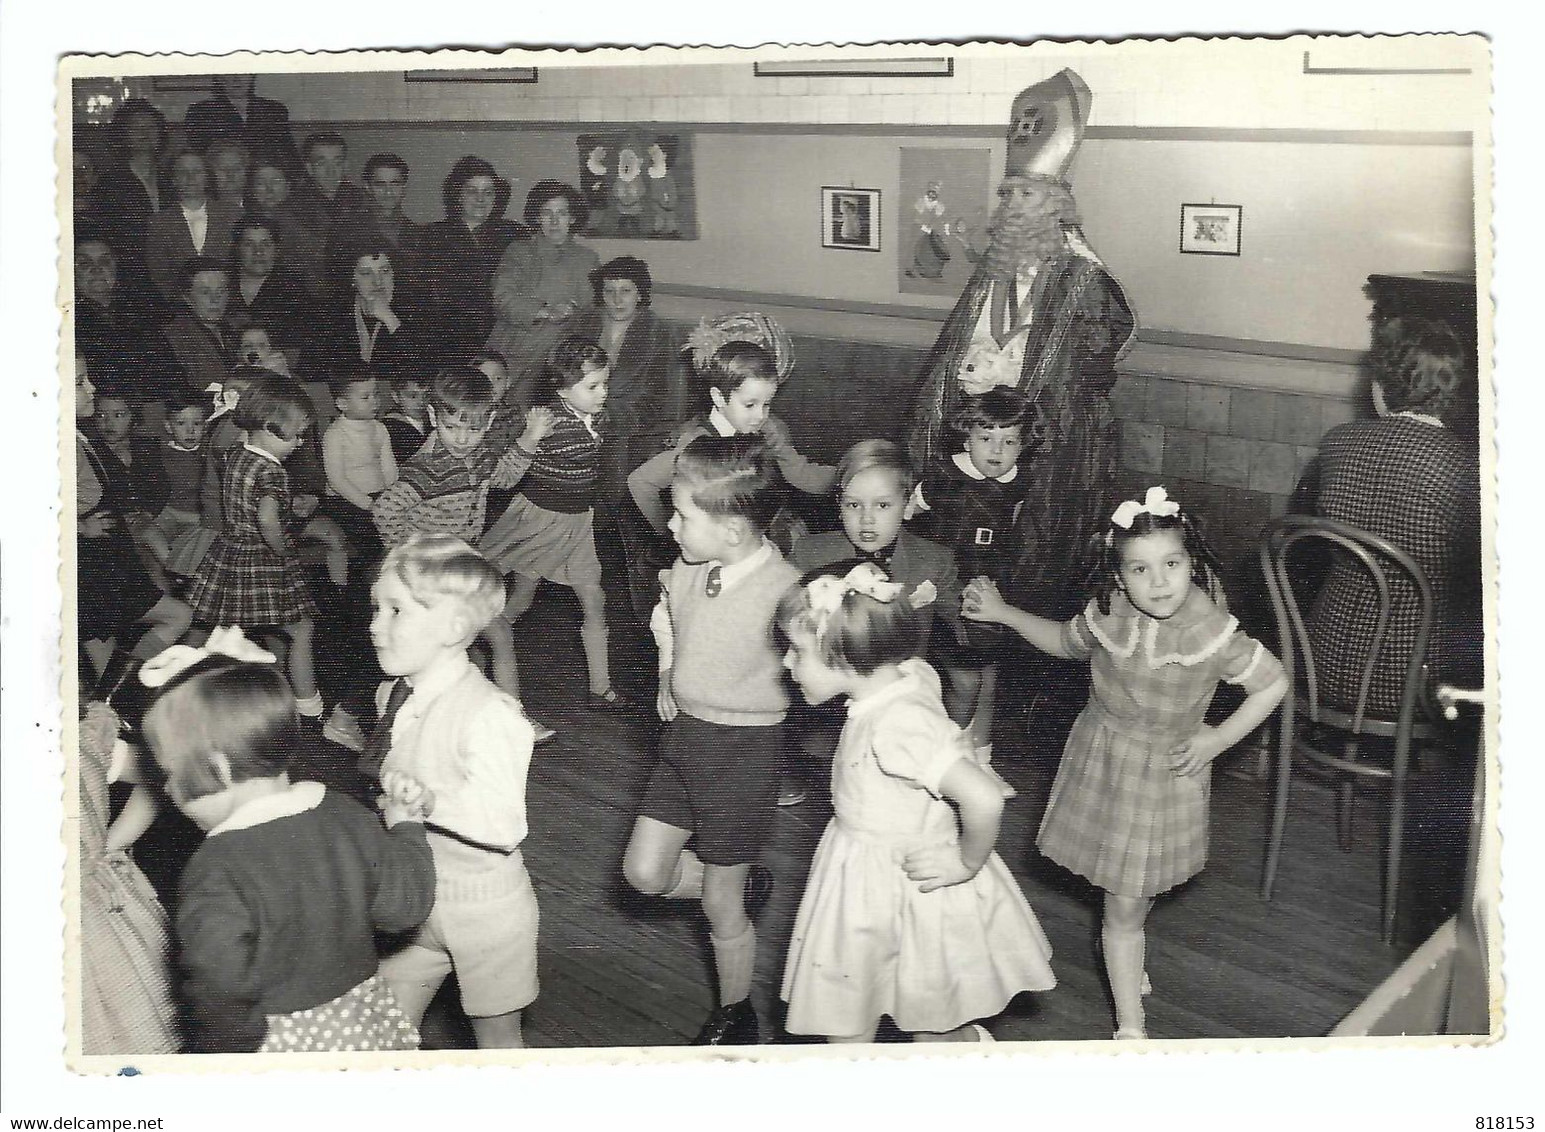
526 595
850 219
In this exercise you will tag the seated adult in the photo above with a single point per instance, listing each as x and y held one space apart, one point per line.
382 218
271 196
461 253
371 326
196 225
229 166
233 110
541 284
116 325
645 394
199 337
264 291
132 186
1405 477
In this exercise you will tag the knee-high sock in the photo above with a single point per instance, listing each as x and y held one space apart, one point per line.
1124 967
735 959
687 883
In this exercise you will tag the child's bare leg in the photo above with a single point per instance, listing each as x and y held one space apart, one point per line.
961 686
730 930
966 1033
330 535
522 590
156 542
501 1031
657 863
865 1038
500 636
303 678
168 619
981 718
1122 939
592 634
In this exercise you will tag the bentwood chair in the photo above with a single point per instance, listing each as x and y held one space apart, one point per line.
1331 736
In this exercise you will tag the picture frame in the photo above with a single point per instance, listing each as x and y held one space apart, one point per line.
850 219
931 67
473 75
1210 229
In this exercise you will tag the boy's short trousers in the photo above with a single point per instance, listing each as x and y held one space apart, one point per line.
719 782
490 942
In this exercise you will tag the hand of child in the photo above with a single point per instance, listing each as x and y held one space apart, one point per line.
1196 753
937 866
305 505
981 601
665 702
406 798
539 422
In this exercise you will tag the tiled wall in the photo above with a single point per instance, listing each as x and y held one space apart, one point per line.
1233 453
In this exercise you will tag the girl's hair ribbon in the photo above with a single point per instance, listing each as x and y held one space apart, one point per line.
227 641
1156 503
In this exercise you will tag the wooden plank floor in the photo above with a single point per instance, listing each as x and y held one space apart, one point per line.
619 969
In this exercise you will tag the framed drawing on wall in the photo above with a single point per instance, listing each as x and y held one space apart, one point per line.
850 219
1210 229
639 184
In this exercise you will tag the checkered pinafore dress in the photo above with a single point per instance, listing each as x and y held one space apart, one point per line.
1118 815
241 581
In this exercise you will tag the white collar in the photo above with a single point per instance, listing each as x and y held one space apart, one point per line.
297 799
186 211
262 453
911 679
963 462
720 422
1412 415
586 419
438 679
729 575
174 446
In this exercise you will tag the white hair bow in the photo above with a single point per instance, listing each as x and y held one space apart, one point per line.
866 578
228 641
224 398
1156 503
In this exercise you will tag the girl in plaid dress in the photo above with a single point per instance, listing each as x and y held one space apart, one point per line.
251 576
1128 810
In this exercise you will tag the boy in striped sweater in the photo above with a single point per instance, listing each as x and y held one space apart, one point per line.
722 697
443 489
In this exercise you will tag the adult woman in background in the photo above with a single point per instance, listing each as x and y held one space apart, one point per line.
264 290
541 285
1406 477
644 398
461 253
371 327
133 187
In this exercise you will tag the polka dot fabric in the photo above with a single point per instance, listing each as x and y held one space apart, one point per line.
365 1018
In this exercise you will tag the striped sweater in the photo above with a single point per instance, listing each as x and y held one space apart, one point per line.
563 474
436 493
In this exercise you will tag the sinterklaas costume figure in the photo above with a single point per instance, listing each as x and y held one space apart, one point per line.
1043 315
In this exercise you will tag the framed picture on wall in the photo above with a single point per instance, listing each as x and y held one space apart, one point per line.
850 219
1210 229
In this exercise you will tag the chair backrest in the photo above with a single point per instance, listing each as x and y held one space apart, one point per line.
1377 556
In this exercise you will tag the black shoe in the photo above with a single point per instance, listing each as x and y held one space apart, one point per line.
759 886
731 1026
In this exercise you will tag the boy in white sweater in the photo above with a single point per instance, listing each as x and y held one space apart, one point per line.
722 697
357 457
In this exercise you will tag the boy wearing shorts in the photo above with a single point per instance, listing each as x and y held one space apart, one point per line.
722 697
444 724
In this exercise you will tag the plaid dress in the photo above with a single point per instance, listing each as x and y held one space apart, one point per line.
1118 815
1415 484
241 581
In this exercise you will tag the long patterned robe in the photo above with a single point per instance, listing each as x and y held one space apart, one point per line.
1079 323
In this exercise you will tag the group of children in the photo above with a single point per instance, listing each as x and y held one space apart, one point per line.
908 911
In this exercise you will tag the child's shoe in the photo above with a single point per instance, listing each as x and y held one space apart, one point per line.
733 1025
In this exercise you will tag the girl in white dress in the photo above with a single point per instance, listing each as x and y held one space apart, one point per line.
908 912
